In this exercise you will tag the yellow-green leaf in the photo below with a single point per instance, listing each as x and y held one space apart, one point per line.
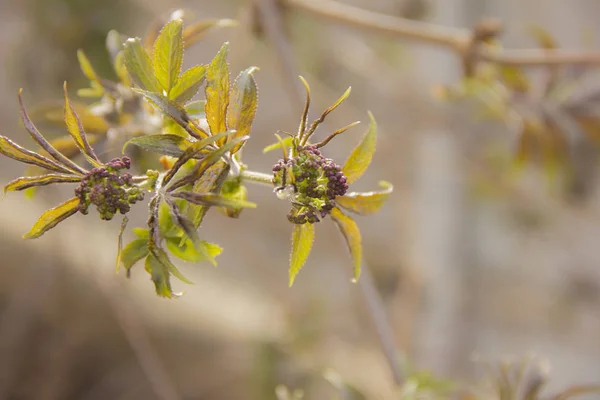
170 145
168 54
211 181
302 241
160 276
16 152
167 106
217 91
186 250
188 84
53 217
42 180
352 235
361 156
243 102
75 129
194 32
133 252
285 142
139 66
236 190
212 199
164 259
365 202
86 66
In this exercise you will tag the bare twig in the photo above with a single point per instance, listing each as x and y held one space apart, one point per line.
456 39
382 324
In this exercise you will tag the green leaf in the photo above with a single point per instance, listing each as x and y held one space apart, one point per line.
75 129
168 54
163 258
361 156
188 84
367 202
217 92
133 252
195 149
187 251
168 144
211 180
352 235
195 109
141 233
286 142
194 32
42 180
302 241
165 105
86 67
233 189
212 199
139 66
160 276
243 102
53 217
188 228
16 152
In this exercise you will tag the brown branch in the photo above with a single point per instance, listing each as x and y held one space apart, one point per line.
456 39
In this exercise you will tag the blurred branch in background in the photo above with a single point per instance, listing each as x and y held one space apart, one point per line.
469 44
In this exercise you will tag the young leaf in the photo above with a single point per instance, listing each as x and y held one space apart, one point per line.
139 66
187 251
233 189
285 141
217 91
134 252
189 229
195 149
367 202
68 147
319 120
352 235
160 276
42 180
195 109
86 66
53 217
168 54
170 145
43 143
12 150
212 180
163 258
302 241
243 102
75 129
188 84
361 156
213 199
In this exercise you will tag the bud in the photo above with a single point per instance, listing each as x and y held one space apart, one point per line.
108 189
311 182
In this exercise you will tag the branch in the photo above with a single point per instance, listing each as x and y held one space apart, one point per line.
459 40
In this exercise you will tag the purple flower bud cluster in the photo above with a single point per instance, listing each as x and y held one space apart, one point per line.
108 189
316 181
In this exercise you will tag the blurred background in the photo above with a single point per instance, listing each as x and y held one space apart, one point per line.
475 259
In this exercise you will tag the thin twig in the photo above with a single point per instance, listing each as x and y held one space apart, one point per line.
457 39
382 324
